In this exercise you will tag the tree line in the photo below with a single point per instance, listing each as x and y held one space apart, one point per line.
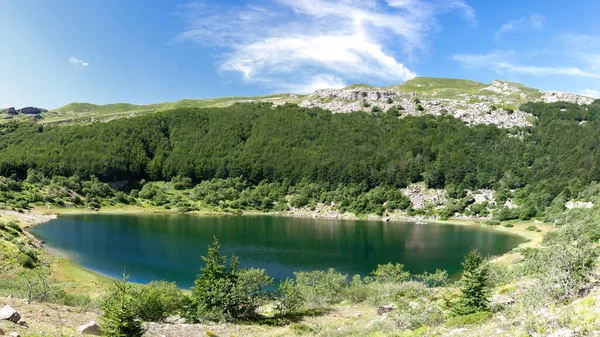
555 158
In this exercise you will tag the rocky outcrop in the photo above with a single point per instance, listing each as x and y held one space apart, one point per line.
7 313
494 105
26 111
555 96
420 196
473 109
31 110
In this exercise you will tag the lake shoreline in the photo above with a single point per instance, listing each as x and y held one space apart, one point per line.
532 239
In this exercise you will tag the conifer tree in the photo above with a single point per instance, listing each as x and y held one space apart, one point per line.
473 285
119 318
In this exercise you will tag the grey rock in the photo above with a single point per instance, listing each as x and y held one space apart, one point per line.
385 309
7 313
11 111
91 328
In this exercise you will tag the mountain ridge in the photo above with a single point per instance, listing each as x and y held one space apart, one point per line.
474 102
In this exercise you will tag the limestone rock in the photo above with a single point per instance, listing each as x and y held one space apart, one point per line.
11 111
9 314
91 328
14 334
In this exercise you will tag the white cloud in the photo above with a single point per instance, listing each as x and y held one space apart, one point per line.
79 64
323 81
501 62
534 21
591 93
318 42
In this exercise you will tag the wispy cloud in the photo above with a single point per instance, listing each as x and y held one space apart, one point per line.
535 22
504 62
77 63
305 44
591 93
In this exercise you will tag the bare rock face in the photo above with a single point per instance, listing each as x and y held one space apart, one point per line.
91 328
555 96
473 109
9 314
493 105
11 111
31 110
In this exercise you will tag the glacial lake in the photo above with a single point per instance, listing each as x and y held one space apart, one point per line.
169 247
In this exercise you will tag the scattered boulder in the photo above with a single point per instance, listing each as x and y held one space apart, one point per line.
11 111
385 309
7 313
91 328
14 334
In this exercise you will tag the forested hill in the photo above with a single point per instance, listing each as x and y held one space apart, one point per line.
257 142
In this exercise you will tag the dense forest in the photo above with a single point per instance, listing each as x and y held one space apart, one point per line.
288 145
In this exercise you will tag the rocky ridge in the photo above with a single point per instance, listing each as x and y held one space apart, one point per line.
494 104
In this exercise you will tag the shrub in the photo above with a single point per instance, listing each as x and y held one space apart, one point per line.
376 109
119 316
505 214
437 279
420 107
158 300
320 289
392 273
531 228
36 285
470 319
509 225
492 222
288 297
390 100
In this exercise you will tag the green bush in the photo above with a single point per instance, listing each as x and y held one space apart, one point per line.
320 289
492 222
157 300
392 273
509 225
470 319
287 297
506 213
531 228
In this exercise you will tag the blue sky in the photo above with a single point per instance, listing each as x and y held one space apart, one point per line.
61 51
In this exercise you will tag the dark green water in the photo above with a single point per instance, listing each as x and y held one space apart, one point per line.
169 247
